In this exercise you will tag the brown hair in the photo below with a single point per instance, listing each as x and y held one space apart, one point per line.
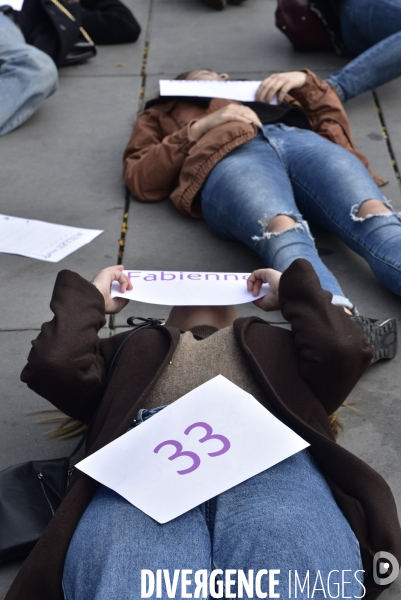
185 75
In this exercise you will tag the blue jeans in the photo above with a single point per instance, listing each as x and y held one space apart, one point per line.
27 77
372 31
284 518
290 171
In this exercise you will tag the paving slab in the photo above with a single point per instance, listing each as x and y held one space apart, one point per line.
160 237
367 132
119 60
64 166
185 35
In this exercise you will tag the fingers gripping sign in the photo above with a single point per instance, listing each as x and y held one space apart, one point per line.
103 281
254 283
280 84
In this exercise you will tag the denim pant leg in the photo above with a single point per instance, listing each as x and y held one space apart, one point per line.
286 518
330 184
27 77
115 540
372 31
244 191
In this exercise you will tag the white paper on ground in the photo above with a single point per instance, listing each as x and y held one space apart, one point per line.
185 288
15 4
248 440
41 240
243 91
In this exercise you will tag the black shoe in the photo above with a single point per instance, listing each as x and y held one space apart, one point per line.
236 2
381 336
216 4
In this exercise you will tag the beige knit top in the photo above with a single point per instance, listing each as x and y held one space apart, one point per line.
196 361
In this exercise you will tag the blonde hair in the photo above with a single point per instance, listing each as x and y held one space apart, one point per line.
70 427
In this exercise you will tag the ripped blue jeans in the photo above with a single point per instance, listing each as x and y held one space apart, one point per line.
296 172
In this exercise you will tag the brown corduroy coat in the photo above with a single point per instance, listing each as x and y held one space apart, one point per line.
162 160
305 374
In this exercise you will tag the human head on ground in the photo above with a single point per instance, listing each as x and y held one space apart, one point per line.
204 75
278 84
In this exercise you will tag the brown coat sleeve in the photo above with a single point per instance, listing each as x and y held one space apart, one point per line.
333 353
67 363
327 115
152 159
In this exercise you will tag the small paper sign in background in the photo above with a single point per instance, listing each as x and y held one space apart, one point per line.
231 89
208 441
184 288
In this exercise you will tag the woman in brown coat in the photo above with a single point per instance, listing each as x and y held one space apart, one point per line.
325 509
259 173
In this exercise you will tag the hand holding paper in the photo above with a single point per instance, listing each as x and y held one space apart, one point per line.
103 281
255 283
277 86
183 288
242 91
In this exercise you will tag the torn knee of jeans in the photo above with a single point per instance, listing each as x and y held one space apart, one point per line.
297 225
355 208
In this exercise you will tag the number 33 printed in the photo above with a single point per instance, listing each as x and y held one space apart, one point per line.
196 461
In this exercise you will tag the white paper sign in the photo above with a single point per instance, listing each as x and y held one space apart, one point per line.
15 4
243 91
41 240
185 288
208 441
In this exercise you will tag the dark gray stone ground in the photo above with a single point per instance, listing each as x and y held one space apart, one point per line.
64 166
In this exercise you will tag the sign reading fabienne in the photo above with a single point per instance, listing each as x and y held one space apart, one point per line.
184 288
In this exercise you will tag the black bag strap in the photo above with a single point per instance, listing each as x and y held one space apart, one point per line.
133 322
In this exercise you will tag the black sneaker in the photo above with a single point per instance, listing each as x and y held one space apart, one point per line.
381 336
216 4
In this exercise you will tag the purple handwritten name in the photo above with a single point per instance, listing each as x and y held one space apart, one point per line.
181 276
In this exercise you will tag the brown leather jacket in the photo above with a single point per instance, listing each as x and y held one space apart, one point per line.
162 159
310 373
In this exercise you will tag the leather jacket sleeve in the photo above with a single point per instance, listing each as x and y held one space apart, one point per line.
152 159
333 353
68 362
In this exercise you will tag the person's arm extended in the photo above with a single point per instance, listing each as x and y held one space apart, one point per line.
333 353
67 364
109 22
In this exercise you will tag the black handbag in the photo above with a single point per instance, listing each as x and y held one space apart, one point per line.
54 26
32 491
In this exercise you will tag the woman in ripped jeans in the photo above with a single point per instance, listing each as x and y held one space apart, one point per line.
260 173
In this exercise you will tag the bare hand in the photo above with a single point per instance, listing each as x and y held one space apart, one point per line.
255 282
231 112
280 84
103 281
